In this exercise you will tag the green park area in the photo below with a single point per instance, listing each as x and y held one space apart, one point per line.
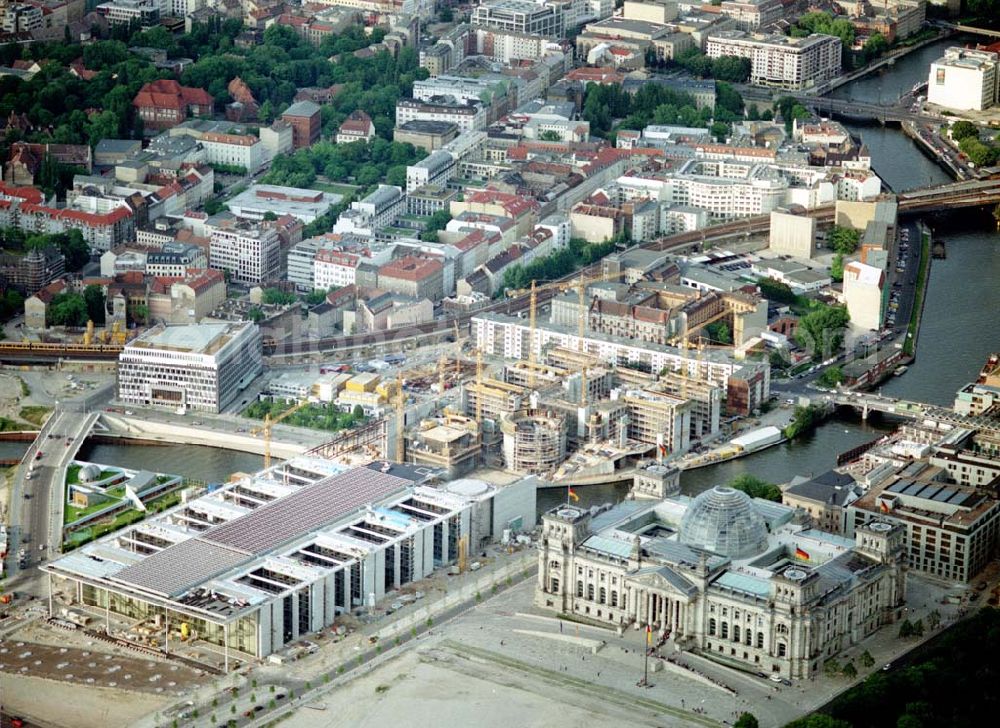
314 416
950 681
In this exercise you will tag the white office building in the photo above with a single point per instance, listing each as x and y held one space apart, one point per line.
234 150
780 60
726 189
521 16
201 367
964 79
251 253
435 169
261 563
865 294
376 211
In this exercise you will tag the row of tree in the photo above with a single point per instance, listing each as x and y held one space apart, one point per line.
550 267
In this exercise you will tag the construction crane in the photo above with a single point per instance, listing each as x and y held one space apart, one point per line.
269 423
579 283
479 391
400 419
685 338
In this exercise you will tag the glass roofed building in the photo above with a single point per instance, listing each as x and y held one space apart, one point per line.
731 577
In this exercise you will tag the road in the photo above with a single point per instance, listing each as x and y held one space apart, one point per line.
36 506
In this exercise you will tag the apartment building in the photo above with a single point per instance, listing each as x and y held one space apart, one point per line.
779 60
201 367
144 13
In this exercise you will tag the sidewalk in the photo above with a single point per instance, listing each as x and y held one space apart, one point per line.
306 679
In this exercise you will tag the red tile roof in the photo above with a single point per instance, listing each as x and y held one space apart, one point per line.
410 268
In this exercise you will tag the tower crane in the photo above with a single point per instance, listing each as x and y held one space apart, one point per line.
400 420
270 422
580 283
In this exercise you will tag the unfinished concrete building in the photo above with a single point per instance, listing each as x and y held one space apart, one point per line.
706 402
659 418
534 440
450 442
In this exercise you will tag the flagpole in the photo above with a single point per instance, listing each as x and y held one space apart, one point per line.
645 662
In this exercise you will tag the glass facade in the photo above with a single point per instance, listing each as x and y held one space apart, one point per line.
724 521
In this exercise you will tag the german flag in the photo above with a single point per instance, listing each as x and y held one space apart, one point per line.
663 449
800 554
649 635
572 495
884 506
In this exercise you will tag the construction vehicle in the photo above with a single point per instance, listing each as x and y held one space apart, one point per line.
269 422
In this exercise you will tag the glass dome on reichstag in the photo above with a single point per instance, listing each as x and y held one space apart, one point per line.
724 521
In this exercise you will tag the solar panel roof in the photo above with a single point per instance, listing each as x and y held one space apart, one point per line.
313 506
184 565
179 567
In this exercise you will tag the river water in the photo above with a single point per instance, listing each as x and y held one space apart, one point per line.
958 330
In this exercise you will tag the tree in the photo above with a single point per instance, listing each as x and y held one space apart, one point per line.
278 297
962 129
719 130
255 314
93 296
918 628
843 239
837 267
446 15
67 309
934 619
831 667
905 629
831 377
140 313
550 135
719 332
866 660
731 68
756 487
818 720
849 671
774 290
746 720
822 330
358 412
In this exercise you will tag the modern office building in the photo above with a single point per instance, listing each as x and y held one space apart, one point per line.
866 294
964 79
250 252
780 60
520 16
734 578
260 563
200 367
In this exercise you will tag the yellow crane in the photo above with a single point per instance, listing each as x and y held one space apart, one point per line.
479 391
580 283
685 338
270 422
400 420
